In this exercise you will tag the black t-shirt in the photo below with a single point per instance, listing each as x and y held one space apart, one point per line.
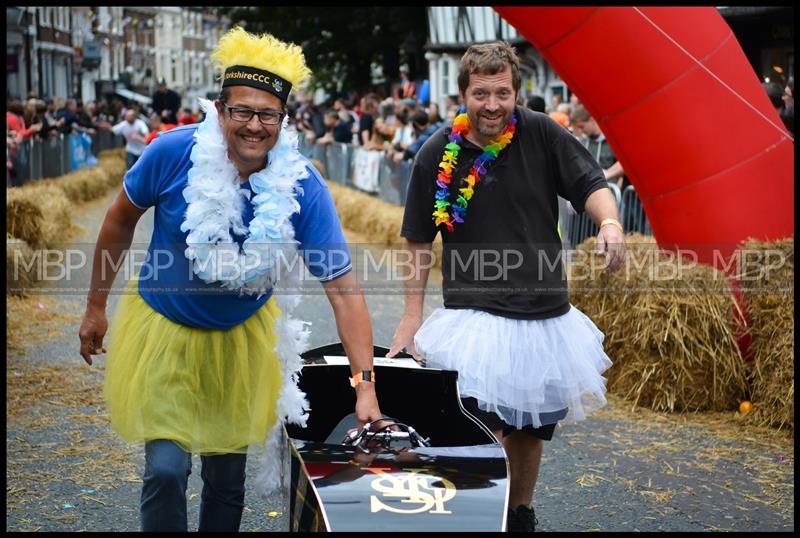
169 100
365 124
343 132
505 258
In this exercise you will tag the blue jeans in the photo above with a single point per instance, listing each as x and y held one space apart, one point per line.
131 159
166 475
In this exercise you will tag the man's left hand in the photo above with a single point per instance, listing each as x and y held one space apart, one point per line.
611 244
367 409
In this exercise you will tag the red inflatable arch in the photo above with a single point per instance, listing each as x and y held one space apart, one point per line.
683 111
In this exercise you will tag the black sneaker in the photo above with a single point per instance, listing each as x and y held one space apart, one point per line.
521 520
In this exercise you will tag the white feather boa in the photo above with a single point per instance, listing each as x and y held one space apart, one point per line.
215 203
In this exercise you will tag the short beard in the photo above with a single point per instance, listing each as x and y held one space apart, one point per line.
491 135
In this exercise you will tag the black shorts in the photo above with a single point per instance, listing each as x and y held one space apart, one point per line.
495 423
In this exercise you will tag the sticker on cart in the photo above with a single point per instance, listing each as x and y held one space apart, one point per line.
376 361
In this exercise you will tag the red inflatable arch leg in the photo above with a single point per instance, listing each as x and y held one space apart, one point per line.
685 114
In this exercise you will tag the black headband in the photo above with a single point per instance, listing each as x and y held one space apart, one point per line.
240 75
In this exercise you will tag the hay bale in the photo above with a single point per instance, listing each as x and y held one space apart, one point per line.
39 214
114 165
371 216
669 325
320 167
115 153
83 185
766 276
23 217
20 273
367 214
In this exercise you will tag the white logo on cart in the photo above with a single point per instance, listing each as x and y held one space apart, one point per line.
410 488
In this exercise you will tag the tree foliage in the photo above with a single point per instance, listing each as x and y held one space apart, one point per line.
340 44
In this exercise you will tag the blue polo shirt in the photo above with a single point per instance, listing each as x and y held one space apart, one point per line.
166 280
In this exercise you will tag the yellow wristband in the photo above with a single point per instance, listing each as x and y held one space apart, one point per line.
615 222
362 376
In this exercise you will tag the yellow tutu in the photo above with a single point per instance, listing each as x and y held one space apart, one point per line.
210 391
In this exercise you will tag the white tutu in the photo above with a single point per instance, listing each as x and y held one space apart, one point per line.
525 371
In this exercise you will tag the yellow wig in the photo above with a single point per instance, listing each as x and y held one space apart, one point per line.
238 47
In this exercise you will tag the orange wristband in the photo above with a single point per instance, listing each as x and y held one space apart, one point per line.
363 375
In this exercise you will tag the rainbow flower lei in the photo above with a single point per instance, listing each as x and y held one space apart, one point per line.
448 164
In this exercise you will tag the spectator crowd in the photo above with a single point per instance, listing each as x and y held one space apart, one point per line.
40 119
396 125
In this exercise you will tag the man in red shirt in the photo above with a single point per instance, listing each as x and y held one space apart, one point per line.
156 126
185 117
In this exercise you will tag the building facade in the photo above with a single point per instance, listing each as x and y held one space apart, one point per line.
91 52
39 52
452 29
99 52
139 49
19 44
766 35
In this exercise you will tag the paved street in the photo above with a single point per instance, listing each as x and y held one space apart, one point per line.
621 470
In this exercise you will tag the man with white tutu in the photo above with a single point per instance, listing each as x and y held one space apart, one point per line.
526 358
203 354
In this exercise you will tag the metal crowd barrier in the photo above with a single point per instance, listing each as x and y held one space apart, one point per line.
632 213
390 182
393 181
576 228
103 140
579 227
339 161
37 159
615 190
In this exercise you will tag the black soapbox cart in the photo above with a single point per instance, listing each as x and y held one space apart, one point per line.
437 468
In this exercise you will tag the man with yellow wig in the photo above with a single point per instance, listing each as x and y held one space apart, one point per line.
203 354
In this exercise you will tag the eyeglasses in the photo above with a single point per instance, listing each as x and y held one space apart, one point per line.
244 114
